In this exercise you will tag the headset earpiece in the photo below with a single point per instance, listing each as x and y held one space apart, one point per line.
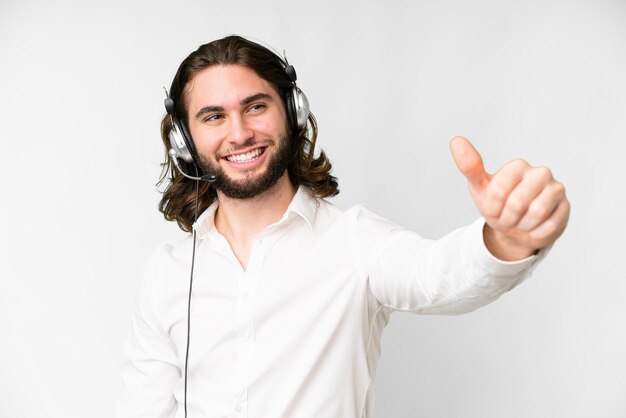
296 101
297 108
179 143
180 139
301 108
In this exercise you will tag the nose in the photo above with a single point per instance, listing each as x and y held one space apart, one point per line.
240 131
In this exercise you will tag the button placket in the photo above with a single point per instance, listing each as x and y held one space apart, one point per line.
240 372
240 405
245 334
245 324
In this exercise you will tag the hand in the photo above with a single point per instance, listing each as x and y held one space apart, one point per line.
525 207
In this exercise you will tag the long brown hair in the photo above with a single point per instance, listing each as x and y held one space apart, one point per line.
179 195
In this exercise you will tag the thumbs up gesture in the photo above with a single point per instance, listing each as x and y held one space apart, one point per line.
524 207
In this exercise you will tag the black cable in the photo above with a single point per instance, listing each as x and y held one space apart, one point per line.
193 259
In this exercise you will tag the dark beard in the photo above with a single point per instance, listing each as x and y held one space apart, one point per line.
251 187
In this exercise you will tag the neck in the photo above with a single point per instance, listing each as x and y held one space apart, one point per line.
241 220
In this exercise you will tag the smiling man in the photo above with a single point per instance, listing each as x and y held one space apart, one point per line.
289 295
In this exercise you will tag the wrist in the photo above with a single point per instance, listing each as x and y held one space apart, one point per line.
504 246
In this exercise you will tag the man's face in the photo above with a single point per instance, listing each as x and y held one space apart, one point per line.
238 124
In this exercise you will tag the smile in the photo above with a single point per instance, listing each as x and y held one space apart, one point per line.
247 157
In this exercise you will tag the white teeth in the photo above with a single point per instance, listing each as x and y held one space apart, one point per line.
248 156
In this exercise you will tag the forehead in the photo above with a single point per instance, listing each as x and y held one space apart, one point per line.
224 86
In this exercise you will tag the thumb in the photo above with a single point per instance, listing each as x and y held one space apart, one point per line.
469 162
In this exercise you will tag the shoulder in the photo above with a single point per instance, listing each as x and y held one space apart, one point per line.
170 251
165 266
357 221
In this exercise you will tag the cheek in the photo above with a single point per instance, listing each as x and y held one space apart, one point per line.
206 144
262 126
274 125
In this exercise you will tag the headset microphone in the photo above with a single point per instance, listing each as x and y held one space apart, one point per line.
207 177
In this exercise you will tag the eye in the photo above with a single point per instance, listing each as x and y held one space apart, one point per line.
257 107
213 118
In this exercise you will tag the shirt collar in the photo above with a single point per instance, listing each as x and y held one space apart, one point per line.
206 220
303 204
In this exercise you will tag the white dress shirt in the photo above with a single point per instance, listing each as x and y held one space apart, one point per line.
297 334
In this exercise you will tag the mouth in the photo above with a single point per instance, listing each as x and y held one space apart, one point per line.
246 157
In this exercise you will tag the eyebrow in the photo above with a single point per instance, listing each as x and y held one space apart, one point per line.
244 102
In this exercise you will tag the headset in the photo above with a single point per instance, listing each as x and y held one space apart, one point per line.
181 143
182 148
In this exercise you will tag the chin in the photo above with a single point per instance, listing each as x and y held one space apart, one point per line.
250 187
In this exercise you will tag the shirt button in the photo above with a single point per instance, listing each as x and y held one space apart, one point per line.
238 408
246 295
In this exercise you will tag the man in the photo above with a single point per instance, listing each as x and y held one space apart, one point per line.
290 294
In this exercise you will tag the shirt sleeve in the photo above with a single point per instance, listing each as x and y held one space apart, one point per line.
150 368
452 275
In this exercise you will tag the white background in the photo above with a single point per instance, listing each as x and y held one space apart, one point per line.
390 83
